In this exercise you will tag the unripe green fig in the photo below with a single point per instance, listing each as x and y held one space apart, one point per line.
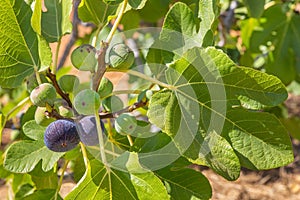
68 83
112 104
42 94
125 124
105 88
65 112
87 101
84 58
121 57
41 118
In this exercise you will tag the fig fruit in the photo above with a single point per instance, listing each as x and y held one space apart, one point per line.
42 94
87 130
125 124
112 104
68 83
105 88
61 136
84 58
87 101
121 57
41 118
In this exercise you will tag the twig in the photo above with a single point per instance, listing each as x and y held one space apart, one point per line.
124 110
74 33
65 96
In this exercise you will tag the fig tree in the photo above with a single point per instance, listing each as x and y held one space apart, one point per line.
121 57
87 130
61 136
86 102
125 124
84 58
42 94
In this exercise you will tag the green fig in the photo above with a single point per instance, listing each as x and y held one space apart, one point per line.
105 88
68 83
86 102
121 57
112 104
84 58
42 94
41 118
125 124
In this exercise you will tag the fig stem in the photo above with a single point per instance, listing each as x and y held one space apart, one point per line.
84 155
61 178
116 24
101 140
37 75
130 140
54 68
143 76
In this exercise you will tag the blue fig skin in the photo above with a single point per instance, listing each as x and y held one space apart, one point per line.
87 130
61 136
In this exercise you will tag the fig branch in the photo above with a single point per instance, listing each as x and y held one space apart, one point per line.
65 96
124 110
104 45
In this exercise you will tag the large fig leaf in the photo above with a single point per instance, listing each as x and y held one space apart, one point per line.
18 43
105 183
207 92
23 156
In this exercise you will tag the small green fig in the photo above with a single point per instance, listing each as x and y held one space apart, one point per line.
68 83
87 101
84 58
121 57
42 94
125 124
41 118
105 88
112 104
65 112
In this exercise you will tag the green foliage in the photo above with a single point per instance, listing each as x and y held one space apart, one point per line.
192 102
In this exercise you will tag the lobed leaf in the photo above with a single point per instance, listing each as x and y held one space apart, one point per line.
23 156
18 43
101 182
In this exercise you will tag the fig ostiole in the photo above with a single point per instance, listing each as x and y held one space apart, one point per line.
87 130
87 102
121 56
61 136
43 94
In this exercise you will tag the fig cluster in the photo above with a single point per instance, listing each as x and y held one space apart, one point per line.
67 126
